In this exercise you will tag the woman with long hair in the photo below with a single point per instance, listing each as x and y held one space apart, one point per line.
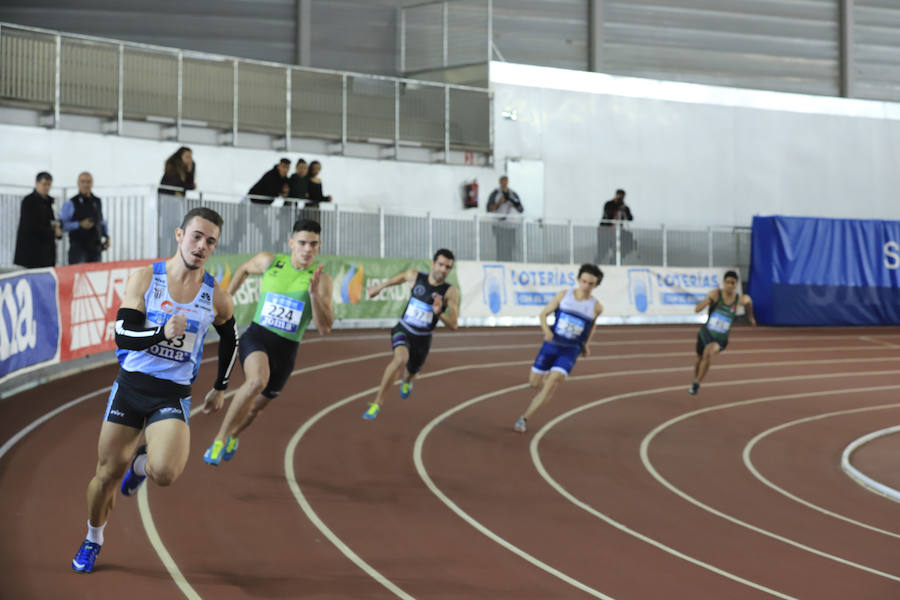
179 173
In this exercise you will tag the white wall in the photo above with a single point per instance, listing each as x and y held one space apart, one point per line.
121 161
694 154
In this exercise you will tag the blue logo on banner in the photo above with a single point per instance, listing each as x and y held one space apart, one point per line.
639 289
493 289
29 321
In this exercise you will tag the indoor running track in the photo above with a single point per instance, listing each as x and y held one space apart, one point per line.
624 487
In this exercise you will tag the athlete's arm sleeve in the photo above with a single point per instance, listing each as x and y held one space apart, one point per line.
228 344
131 334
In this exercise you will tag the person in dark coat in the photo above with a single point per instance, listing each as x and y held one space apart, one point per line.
82 217
270 184
38 227
298 182
314 186
180 170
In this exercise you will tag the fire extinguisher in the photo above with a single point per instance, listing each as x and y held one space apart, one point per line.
471 198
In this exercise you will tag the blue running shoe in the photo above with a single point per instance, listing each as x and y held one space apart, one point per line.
213 454
85 557
372 412
231 446
405 389
132 480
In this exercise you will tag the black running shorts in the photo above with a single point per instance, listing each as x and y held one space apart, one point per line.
281 352
137 400
418 346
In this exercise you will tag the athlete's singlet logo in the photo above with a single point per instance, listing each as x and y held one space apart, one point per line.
167 306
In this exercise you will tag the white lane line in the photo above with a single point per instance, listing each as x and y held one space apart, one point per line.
536 459
46 417
748 462
314 517
423 473
880 342
860 477
648 439
160 548
143 505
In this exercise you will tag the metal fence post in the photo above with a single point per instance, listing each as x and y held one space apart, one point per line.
524 240
402 40
234 125
337 230
430 235
397 119
343 113
618 225
444 40
477 239
57 81
287 109
446 124
571 242
665 246
179 117
709 245
120 109
381 232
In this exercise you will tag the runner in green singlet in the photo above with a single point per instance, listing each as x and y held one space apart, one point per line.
293 292
713 336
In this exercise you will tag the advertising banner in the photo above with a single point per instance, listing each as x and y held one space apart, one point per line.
89 298
494 291
813 271
29 320
352 276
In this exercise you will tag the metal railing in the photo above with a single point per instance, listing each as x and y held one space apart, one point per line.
61 72
447 33
141 225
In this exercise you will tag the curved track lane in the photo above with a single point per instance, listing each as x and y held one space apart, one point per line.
626 487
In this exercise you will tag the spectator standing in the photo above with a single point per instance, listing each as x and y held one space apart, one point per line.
298 182
179 173
82 217
271 184
38 227
503 201
615 213
314 186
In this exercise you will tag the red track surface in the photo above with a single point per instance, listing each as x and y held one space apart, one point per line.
644 494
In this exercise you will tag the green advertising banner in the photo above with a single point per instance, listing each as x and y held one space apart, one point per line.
352 276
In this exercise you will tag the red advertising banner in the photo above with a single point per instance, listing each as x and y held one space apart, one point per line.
89 297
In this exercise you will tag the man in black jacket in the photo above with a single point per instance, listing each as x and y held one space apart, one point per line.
270 184
82 217
38 227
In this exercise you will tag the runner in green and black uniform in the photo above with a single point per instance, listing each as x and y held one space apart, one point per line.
713 336
293 292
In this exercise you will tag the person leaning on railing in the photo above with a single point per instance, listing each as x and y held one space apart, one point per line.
615 212
271 184
179 173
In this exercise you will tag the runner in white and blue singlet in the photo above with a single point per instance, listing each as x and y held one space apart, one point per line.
160 327
432 299
576 312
